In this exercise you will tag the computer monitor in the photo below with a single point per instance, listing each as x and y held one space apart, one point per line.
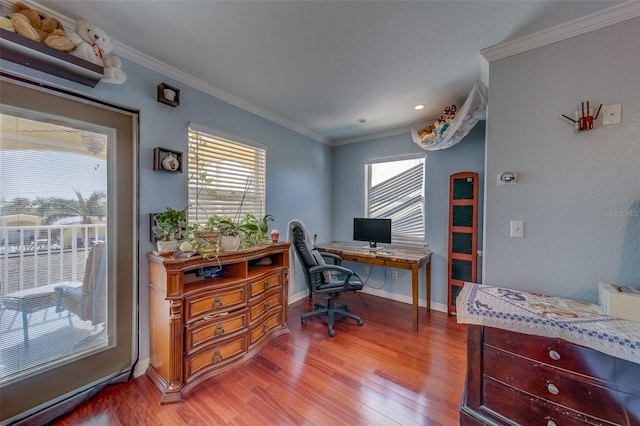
372 230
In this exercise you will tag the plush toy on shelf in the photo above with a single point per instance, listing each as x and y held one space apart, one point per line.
6 24
94 45
39 27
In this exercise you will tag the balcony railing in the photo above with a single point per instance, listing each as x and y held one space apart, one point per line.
33 256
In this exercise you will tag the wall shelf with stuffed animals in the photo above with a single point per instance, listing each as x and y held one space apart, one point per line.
24 51
455 124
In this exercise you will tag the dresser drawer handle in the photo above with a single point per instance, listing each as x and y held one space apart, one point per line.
551 423
266 285
266 306
217 356
553 389
217 303
554 355
265 328
219 330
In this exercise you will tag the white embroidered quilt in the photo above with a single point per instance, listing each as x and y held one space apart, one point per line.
581 323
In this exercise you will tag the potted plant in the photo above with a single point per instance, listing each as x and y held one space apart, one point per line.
255 231
228 230
168 226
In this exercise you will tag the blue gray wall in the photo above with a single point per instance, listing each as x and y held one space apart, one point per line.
348 202
578 193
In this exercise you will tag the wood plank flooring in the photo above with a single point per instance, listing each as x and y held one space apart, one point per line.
378 374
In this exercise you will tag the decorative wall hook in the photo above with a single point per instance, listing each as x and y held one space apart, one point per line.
584 119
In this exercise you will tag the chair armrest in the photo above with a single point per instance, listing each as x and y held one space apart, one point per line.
337 260
329 268
61 290
333 285
68 289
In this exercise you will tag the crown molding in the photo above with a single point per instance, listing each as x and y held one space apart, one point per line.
146 61
613 15
372 136
153 64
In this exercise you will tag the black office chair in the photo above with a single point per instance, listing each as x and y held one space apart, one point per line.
329 279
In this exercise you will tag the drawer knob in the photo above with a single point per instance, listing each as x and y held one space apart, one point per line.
217 303
217 356
551 423
553 389
266 285
266 306
219 330
554 355
265 328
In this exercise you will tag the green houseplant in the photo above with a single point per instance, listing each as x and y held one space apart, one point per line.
168 227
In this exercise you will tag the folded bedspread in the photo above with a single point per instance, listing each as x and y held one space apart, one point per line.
581 323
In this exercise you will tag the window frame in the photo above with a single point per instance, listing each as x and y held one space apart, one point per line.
396 237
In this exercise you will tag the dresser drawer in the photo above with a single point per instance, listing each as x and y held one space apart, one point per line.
265 284
553 384
264 305
527 410
216 355
554 352
215 302
271 322
207 330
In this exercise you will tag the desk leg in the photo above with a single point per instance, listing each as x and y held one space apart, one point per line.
414 287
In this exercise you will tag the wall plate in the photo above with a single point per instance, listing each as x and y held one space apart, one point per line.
611 114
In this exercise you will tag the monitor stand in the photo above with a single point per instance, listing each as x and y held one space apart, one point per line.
372 247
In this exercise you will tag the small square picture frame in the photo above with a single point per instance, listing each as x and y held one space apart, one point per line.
165 95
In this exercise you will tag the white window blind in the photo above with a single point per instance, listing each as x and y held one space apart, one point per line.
395 190
226 178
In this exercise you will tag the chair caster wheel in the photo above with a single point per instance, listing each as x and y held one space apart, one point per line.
360 323
303 321
332 332
346 308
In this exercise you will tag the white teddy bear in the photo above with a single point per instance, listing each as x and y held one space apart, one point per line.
93 45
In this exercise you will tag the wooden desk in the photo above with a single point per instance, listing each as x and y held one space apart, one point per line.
394 257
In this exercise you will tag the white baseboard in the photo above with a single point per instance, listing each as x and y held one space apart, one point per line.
440 307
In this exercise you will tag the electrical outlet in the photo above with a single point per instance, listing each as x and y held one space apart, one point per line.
394 275
367 269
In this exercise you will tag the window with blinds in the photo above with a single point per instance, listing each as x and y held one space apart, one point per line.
226 178
395 190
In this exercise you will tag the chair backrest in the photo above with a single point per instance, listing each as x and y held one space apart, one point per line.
90 302
300 244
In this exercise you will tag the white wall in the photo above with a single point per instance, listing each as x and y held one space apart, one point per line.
579 193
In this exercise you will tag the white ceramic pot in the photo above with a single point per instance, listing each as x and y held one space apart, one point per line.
167 246
230 242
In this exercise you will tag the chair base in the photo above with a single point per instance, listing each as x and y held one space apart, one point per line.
330 310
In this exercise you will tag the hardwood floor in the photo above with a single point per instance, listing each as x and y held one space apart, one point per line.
378 374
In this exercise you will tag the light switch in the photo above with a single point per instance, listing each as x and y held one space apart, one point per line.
611 114
517 229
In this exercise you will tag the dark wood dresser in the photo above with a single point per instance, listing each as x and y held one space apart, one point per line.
515 378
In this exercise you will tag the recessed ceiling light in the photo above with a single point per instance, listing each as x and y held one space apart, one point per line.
420 106
361 120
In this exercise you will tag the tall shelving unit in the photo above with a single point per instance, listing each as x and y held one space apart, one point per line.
463 233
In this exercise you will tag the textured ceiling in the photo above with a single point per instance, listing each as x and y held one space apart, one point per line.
322 65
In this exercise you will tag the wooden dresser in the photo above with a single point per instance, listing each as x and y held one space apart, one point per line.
202 327
515 378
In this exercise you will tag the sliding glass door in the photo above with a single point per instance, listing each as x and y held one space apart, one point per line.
68 253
